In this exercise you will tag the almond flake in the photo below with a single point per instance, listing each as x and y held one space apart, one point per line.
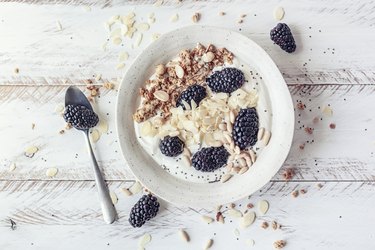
120 66
30 151
225 178
158 3
234 213
116 40
247 219
144 240
138 39
123 56
186 160
113 198
94 135
12 166
208 57
263 207
98 77
126 192
59 26
174 18
250 242
143 27
243 170
266 138
278 13
260 134
51 172
207 219
236 232
184 235
136 188
161 95
208 244
102 126
179 71
151 20
328 111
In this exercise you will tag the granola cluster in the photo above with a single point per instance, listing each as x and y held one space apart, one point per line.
192 67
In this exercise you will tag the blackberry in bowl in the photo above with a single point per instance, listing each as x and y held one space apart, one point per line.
194 93
245 128
226 80
171 146
209 159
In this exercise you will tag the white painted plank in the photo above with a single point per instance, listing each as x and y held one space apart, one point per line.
344 153
66 215
333 40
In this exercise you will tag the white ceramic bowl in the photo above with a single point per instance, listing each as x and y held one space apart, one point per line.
185 192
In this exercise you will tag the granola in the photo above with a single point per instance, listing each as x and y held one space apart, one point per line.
168 79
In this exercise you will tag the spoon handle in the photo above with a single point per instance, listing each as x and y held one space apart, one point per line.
108 209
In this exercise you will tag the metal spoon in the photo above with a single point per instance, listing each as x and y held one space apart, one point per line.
74 96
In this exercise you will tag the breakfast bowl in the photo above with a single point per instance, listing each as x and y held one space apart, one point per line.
182 185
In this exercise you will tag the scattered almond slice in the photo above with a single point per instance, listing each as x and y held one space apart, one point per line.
328 111
161 95
151 20
102 127
247 219
184 235
120 66
94 135
12 166
117 40
116 33
113 197
158 3
126 192
234 213
250 242
144 240
260 134
51 172
123 56
174 18
136 188
236 232
58 25
278 13
225 178
207 219
143 27
266 137
138 39
263 207
30 151
208 244
208 57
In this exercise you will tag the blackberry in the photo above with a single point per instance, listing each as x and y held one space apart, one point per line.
80 116
245 128
283 37
210 159
171 146
145 209
226 80
194 92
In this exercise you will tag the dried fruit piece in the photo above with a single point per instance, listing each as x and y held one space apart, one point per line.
51 172
264 225
196 17
279 244
295 193
263 207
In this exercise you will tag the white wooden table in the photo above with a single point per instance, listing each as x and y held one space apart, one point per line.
334 66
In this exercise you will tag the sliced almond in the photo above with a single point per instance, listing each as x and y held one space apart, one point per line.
143 27
184 235
123 56
126 192
260 134
138 39
278 13
117 40
234 213
174 18
237 150
207 219
236 232
179 71
59 26
12 166
158 3
146 128
208 57
243 170
250 242
186 160
94 135
248 161
247 219
136 188
161 95
225 178
328 111
223 126
229 127
242 162
59 108
208 244
102 126
252 155
144 240
51 172
266 137
113 198
30 151
231 117
186 152
120 66
263 207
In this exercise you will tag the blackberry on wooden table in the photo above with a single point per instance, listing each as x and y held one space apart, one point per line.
145 209
283 37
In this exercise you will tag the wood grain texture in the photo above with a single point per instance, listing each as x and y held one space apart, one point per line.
69 213
333 40
344 153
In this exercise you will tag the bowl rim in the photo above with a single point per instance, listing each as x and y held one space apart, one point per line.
289 133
